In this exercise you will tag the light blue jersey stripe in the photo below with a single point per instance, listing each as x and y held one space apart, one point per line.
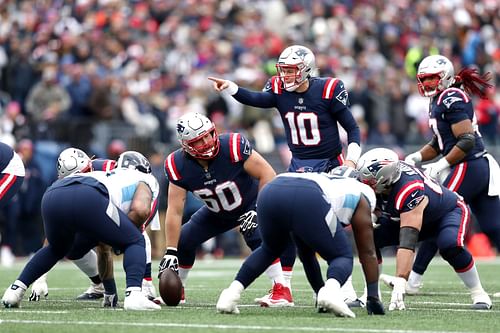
128 192
351 201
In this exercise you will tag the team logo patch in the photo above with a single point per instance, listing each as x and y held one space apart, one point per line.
301 100
247 150
448 101
268 86
343 97
414 202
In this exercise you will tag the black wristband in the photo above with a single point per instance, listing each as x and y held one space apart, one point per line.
171 251
408 238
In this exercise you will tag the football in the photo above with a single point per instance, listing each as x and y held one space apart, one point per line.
170 287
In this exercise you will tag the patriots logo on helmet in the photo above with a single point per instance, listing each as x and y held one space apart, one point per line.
301 53
180 128
375 167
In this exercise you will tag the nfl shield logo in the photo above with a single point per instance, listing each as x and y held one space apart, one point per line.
301 101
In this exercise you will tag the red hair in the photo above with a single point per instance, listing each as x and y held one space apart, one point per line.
473 83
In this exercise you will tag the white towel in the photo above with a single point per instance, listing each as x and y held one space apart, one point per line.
494 187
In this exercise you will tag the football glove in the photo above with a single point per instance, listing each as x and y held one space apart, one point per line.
413 158
169 260
248 223
39 289
374 306
398 293
433 170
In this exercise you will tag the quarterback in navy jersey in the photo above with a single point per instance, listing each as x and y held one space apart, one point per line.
414 207
226 174
11 173
465 166
311 109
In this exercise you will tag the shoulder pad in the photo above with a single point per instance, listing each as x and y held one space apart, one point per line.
274 85
452 95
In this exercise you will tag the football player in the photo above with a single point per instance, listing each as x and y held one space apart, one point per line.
464 165
314 208
415 207
84 209
225 173
311 109
11 173
74 160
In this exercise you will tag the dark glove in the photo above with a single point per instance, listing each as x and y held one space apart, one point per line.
169 260
248 223
374 306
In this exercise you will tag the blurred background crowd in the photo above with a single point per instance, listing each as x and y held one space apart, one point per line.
111 75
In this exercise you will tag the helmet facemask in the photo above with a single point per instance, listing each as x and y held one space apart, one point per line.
435 74
291 76
207 149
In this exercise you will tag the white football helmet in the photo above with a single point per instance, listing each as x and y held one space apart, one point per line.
438 67
133 160
72 160
295 65
193 127
379 168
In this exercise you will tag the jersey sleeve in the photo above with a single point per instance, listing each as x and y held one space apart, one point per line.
455 105
102 164
240 148
340 107
260 99
172 168
409 196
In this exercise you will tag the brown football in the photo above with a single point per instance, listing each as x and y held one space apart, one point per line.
170 287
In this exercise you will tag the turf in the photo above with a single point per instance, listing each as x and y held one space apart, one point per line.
442 306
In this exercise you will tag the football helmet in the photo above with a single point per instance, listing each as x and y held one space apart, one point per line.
295 65
344 171
72 160
379 168
440 69
198 136
133 160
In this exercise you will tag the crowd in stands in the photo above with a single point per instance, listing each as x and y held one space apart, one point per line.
85 73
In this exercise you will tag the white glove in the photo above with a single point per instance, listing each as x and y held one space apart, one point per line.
248 222
39 289
398 293
432 170
169 260
413 158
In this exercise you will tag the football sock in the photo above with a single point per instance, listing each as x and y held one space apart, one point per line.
471 278
287 274
109 286
183 274
88 264
275 274
147 273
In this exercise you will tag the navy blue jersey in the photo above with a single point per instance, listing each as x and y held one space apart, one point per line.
102 164
225 187
6 154
448 108
410 190
310 118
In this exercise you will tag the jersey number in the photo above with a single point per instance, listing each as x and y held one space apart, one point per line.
225 196
304 128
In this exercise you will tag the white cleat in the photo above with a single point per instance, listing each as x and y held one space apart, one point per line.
136 301
330 298
13 295
348 291
481 301
148 289
228 302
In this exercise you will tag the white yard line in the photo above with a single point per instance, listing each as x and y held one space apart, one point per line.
224 327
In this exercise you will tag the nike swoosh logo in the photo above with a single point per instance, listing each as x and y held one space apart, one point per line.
413 194
450 93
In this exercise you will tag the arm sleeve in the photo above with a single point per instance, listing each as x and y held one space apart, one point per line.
256 99
346 120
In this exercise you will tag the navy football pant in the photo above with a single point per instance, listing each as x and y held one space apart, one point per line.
75 214
292 206
202 226
448 235
470 179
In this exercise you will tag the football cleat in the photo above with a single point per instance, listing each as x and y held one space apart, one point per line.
280 297
110 301
136 301
13 295
228 302
348 292
95 291
330 298
148 289
259 300
481 300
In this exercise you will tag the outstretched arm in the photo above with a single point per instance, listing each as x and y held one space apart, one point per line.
244 96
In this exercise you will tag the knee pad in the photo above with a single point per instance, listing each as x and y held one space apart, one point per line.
451 252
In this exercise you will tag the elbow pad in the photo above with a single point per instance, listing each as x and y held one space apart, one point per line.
466 142
434 144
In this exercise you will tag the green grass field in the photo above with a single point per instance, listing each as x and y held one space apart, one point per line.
443 305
